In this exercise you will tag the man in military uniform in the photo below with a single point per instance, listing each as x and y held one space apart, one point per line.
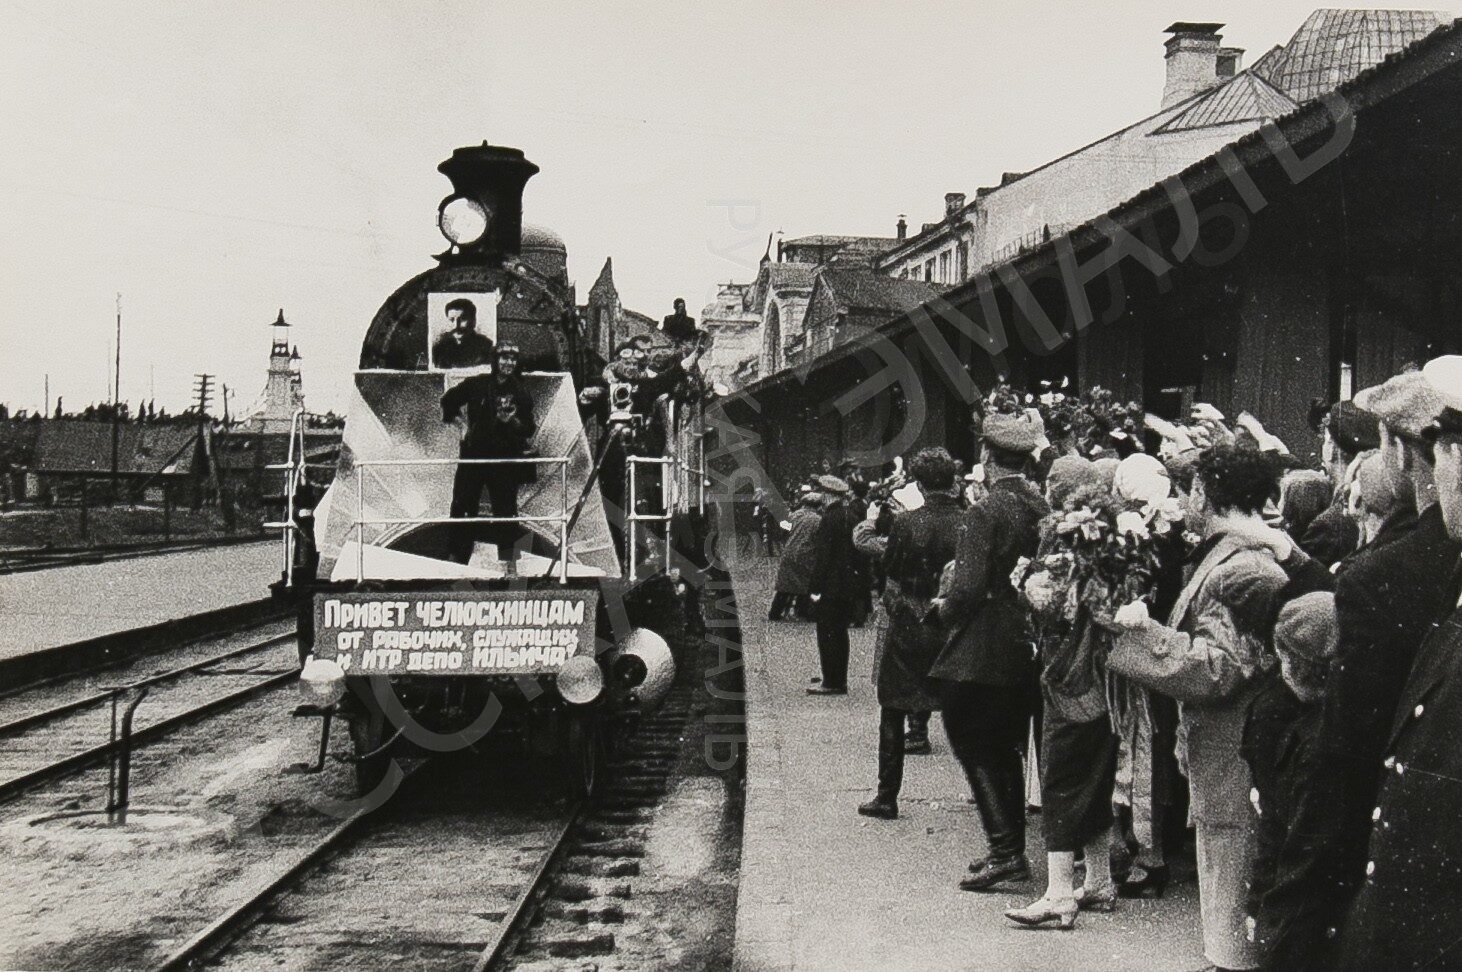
500 425
987 672
463 346
1407 912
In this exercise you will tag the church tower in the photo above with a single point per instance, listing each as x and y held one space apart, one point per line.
283 391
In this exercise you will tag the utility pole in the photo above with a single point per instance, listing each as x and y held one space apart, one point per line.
202 392
116 398
47 412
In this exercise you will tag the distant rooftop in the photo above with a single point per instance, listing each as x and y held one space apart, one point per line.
1333 46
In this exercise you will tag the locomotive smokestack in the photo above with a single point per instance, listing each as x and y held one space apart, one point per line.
493 177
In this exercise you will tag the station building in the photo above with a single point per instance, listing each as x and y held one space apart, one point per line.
1304 254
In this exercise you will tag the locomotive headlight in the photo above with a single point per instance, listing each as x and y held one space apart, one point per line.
462 220
322 681
580 680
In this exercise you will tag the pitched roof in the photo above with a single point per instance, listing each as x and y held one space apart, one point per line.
795 275
1244 97
857 288
1334 46
605 282
823 239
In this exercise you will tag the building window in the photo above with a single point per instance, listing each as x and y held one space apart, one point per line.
929 269
964 261
944 267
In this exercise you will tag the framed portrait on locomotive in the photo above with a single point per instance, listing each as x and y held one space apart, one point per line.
461 330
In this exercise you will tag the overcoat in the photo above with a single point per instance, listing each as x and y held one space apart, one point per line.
1387 599
1332 536
989 631
835 569
1288 893
1406 914
920 543
794 570
1215 646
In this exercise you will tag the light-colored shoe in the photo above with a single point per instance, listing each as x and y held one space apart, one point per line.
1039 914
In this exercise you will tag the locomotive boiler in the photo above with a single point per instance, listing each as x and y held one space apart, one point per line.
426 626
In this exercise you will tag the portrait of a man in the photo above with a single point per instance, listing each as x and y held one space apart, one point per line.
459 344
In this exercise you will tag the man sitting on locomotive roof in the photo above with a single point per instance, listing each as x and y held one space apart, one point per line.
680 326
463 346
500 425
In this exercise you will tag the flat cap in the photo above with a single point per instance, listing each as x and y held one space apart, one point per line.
1353 429
1406 403
1014 433
832 484
1307 627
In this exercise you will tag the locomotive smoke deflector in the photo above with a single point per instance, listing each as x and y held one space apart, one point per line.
483 217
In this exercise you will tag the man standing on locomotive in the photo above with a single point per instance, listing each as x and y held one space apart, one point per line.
500 425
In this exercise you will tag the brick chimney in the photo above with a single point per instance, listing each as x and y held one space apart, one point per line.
1230 60
953 202
903 227
1192 60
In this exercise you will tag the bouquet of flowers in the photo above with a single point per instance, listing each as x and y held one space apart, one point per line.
1092 422
1096 556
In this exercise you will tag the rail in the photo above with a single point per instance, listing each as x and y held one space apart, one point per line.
295 468
561 518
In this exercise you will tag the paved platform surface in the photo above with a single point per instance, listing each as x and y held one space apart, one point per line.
45 608
824 888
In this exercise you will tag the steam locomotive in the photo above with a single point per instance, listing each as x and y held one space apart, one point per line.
580 629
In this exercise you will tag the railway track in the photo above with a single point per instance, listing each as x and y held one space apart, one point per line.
452 877
18 560
65 737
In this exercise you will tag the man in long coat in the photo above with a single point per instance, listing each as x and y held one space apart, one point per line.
1387 599
920 543
987 669
794 570
834 586
1407 912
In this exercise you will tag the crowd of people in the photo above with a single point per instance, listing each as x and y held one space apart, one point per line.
1198 633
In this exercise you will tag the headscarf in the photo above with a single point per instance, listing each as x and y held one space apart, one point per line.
1141 478
1069 474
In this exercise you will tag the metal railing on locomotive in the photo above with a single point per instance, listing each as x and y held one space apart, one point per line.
672 468
561 518
296 468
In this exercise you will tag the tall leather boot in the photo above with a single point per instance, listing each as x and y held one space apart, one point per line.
884 804
1004 823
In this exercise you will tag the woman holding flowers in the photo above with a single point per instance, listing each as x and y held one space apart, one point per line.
1096 553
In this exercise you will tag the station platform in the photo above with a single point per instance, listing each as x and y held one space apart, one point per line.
824 888
44 609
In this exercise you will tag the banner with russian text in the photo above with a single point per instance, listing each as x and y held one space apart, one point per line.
451 633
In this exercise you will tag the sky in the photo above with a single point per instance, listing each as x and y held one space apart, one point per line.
214 162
